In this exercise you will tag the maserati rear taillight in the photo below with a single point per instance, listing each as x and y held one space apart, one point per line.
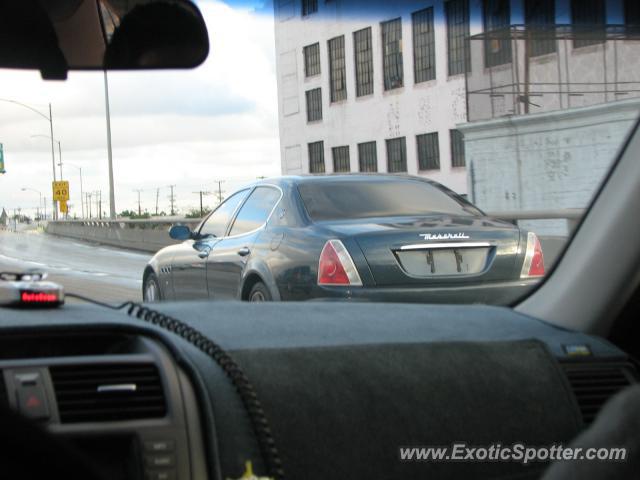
336 266
533 265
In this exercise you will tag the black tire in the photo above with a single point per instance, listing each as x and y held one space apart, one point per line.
259 293
150 285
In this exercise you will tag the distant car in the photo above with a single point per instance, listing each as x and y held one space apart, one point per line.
370 237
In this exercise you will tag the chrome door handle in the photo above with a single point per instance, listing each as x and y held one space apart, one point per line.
204 253
244 251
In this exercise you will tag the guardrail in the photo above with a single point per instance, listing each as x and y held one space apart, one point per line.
571 215
151 235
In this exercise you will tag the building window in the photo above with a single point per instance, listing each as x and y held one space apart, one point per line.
428 151
397 155
497 19
309 7
392 54
364 61
457 18
314 105
316 157
424 55
632 12
311 60
588 18
368 157
540 19
457 148
341 162
337 69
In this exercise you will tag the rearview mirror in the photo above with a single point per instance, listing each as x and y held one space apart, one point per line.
180 232
55 36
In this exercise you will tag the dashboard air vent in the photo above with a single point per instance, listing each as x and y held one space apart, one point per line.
594 383
108 392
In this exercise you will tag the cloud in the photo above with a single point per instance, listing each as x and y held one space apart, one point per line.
168 127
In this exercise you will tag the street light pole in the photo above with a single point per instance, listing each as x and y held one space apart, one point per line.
50 120
81 190
60 158
112 198
59 153
53 161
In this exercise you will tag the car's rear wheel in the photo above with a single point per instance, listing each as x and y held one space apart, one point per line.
259 293
151 289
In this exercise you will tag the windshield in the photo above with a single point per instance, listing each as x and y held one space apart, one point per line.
404 151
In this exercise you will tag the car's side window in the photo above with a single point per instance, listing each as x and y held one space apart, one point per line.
256 210
217 222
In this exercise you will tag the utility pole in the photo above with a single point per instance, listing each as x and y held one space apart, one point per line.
172 199
201 193
98 199
139 206
89 195
157 198
220 192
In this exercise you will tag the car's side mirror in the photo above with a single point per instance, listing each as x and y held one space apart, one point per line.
180 232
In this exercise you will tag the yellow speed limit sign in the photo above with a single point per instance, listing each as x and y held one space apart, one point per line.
61 191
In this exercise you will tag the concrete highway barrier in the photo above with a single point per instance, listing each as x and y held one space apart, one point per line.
143 235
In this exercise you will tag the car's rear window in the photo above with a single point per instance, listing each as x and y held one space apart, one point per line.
346 200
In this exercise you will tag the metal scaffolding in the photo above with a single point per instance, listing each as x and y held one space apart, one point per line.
523 69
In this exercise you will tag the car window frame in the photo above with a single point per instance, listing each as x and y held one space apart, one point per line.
231 217
263 225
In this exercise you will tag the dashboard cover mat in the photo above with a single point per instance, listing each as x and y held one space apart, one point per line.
343 412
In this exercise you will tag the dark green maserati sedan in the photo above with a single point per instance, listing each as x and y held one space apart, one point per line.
366 237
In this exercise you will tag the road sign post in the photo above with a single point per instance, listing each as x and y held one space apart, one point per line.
61 194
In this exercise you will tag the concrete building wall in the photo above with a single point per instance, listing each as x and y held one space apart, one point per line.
546 161
547 175
436 105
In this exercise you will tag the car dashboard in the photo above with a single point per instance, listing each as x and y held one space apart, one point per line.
341 387
117 397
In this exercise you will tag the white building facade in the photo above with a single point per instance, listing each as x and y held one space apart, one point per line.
373 87
551 96
392 86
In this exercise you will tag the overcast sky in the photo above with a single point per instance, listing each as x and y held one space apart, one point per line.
186 128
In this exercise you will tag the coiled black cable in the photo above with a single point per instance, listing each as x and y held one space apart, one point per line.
234 372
